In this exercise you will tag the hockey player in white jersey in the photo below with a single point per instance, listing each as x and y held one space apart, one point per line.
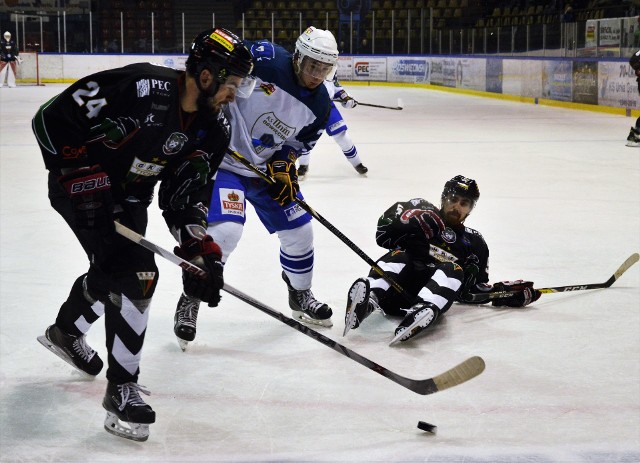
284 115
337 129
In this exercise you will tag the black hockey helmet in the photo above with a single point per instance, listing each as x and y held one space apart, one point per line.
221 52
462 186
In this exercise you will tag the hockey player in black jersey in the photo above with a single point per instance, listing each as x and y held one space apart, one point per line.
107 141
434 258
633 139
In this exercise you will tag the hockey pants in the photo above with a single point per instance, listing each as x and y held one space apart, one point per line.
435 283
120 282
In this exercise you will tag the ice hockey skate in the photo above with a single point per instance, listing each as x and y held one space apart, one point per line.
185 320
128 415
420 316
72 349
633 140
361 169
360 304
306 307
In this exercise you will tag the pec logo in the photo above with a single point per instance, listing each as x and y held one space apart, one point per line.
362 68
160 84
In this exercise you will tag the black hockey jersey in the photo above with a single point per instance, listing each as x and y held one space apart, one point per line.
462 245
8 50
129 121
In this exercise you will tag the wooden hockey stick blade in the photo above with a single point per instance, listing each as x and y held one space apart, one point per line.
459 374
632 259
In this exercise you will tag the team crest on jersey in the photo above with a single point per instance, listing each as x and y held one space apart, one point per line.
448 235
277 132
146 281
268 89
174 143
231 202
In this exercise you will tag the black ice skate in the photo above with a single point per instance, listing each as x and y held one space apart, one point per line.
302 171
420 316
361 169
306 308
360 304
185 320
633 140
72 349
128 415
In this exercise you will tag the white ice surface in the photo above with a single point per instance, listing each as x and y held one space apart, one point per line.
560 205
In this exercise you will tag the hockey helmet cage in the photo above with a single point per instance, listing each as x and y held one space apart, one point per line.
221 52
634 61
462 186
7 35
319 45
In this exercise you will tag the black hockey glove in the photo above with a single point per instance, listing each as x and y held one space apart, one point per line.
427 221
206 254
470 291
90 191
524 295
286 186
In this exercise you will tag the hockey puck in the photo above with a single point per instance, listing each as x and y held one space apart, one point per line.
427 427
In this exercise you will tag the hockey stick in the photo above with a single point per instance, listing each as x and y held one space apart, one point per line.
632 259
459 374
302 203
397 108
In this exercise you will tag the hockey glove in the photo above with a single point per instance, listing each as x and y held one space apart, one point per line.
90 191
206 254
524 294
286 186
346 101
428 221
468 284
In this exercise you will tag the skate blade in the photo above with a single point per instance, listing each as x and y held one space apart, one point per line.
311 321
60 353
183 344
357 295
134 431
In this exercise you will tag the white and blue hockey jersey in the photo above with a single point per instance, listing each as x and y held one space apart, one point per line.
279 112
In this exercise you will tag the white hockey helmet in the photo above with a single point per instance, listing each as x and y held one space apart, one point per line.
318 45
7 35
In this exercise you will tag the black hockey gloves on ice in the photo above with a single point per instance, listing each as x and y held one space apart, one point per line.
90 191
286 186
206 254
524 293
